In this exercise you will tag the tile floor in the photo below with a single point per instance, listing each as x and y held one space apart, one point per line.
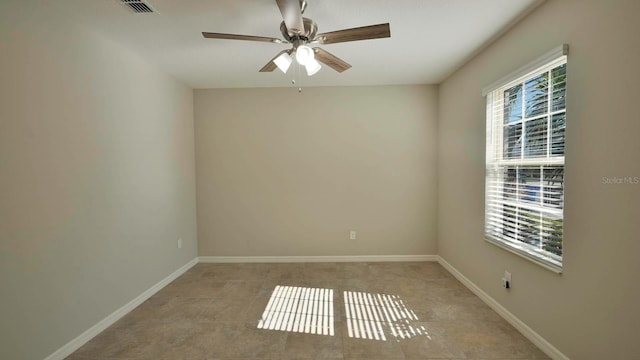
213 310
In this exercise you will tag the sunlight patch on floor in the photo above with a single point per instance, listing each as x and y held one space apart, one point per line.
299 309
368 316
373 316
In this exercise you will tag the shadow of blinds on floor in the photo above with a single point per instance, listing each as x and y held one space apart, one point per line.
299 309
368 315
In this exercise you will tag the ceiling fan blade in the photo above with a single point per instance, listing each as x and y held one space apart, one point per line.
331 60
292 15
355 34
210 35
270 66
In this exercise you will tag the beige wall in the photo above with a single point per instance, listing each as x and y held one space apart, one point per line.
97 178
287 173
591 310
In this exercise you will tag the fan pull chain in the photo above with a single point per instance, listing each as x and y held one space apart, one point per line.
299 77
296 75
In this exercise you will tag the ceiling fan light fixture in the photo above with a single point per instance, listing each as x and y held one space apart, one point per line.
312 67
283 62
304 54
301 32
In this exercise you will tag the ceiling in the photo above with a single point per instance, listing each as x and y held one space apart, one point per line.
429 38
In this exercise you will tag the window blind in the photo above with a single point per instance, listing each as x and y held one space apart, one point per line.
524 186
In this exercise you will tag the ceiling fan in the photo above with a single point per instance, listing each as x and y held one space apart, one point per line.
302 32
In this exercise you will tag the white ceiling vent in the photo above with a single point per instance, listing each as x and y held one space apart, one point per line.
137 6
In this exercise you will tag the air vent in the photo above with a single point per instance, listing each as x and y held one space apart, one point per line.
137 6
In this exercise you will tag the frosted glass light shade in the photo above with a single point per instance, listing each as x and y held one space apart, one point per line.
312 66
304 54
283 62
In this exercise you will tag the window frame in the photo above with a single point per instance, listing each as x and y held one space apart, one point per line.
548 62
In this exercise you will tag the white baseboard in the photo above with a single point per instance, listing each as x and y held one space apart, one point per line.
96 329
523 328
297 259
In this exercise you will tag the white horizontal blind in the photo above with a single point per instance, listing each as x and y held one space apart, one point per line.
524 194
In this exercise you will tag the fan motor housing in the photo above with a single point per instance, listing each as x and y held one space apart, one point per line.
310 30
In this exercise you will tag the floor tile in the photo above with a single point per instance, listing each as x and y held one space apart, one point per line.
414 310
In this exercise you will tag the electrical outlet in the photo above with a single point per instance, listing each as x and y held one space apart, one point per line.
180 243
352 235
506 280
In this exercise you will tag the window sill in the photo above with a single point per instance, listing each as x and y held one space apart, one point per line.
524 254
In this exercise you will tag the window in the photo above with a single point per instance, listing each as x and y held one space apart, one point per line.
524 185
